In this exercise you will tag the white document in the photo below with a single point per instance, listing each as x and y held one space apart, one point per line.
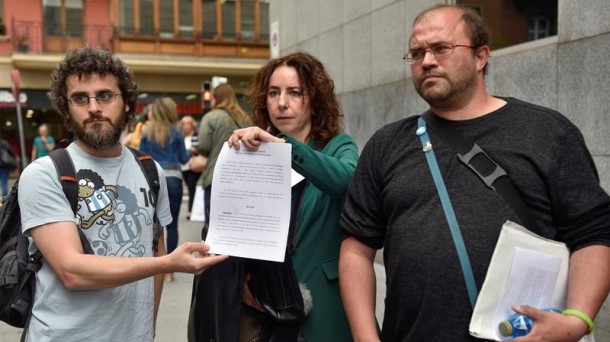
525 269
250 202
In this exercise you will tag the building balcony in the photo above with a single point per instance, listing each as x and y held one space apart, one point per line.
39 38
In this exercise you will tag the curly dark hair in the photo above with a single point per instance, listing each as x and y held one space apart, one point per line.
317 87
86 61
476 28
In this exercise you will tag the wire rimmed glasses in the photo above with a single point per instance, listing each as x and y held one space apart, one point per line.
438 51
102 98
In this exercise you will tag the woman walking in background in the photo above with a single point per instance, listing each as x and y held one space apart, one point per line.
43 143
215 129
162 140
188 127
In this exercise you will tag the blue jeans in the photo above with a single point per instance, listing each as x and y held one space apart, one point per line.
174 191
4 173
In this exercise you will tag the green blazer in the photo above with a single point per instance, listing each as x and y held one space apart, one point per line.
316 258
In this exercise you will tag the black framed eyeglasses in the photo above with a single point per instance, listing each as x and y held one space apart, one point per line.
438 51
102 98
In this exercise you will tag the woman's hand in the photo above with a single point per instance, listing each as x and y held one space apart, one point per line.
252 137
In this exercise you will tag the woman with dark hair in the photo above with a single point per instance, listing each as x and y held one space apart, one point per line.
293 101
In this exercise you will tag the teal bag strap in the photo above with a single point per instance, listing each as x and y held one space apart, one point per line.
422 133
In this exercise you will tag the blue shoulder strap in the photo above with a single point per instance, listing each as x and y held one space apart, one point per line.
448 209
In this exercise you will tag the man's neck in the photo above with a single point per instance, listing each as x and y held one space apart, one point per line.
112 152
480 104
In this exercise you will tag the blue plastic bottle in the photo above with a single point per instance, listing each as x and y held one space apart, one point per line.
518 325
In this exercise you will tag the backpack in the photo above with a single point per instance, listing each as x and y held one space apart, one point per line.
17 266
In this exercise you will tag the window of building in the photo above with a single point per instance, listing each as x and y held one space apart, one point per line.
538 27
186 19
263 22
228 8
166 22
517 21
248 22
2 23
208 13
218 20
63 17
146 18
126 17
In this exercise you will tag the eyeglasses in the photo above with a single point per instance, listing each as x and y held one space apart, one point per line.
438 51
102 98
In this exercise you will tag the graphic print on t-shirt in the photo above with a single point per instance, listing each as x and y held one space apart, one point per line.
111 217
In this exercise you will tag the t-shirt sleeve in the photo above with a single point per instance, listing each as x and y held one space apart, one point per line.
163 212
362 215
41 198
581 208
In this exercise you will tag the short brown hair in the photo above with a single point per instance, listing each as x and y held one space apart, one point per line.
476 28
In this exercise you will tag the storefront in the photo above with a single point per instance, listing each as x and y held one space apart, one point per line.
35 109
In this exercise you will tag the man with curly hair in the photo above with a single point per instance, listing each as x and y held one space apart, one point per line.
113 294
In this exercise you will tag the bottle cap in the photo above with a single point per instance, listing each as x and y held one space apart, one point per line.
505 328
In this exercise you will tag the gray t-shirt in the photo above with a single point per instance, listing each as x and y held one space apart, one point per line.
116 214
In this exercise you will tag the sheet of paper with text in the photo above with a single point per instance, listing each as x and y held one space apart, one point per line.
525 269
250 202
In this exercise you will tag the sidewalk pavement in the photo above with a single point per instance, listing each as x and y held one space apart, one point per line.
176 298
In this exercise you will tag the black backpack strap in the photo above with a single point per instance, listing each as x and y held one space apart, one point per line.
490 173
147 164
69 183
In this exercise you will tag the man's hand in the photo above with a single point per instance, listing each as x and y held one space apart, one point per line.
193 257
550 326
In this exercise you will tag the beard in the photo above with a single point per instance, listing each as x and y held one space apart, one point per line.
99 136
448 91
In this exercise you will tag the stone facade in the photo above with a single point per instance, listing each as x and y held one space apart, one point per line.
362 43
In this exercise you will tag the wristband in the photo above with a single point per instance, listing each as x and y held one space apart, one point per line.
585 318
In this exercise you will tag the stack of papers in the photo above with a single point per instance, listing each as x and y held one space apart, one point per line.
525 269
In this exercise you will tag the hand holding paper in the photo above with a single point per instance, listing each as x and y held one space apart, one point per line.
250 202
525 269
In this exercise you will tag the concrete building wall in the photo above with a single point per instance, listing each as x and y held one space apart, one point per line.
362 43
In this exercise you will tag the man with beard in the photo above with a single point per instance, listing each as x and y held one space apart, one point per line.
112 295
393 203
